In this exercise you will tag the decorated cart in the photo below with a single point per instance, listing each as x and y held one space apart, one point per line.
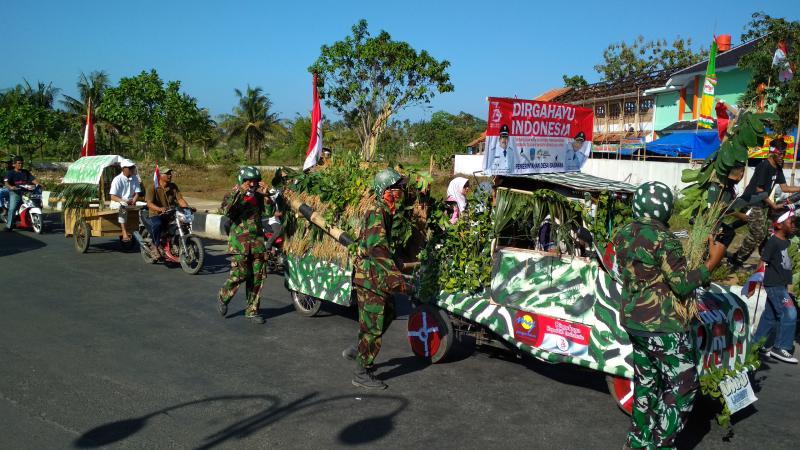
312 281
85 193
559 306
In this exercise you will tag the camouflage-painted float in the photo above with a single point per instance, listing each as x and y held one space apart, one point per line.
311 281
565 309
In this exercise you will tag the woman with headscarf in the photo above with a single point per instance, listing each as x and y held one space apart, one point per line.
457 192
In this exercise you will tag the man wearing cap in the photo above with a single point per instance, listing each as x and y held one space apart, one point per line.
501 160
577 152
8 163
767 174
780 315
126 189
159 199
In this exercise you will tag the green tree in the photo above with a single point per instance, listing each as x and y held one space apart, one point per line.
641 57
367 79
575 81
784 97
92 87
28 122
252 120
444 135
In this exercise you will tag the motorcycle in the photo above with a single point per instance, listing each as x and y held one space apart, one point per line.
178 244
276 258
29 213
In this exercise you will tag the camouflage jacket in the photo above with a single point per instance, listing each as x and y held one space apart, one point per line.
374 269
246 235
654 276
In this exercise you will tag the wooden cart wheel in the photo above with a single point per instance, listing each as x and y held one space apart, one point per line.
82 233
430 333
306 305
621 390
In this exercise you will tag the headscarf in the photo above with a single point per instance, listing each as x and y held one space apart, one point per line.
456 191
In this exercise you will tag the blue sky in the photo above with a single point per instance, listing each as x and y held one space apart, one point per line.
495 48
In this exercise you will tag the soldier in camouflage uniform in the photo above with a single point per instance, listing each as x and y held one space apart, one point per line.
654 278
244 206
376 277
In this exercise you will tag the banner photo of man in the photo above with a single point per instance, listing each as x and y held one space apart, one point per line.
527 136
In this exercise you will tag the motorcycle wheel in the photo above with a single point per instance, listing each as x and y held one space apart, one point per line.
144 250
306 305
192 259
82 234
36 223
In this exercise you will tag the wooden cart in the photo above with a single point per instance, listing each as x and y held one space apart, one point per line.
96 219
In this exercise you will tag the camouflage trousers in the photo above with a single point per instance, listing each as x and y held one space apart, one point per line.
757 230
250 269
664 386
375 313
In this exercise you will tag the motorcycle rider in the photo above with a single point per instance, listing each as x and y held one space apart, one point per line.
159 199
244 206
13 179
3 190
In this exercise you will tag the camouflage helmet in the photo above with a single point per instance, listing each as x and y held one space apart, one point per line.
653 200
384 179
249 173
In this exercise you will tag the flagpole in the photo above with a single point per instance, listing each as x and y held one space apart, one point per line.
796 137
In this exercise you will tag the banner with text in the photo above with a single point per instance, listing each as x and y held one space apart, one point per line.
527 136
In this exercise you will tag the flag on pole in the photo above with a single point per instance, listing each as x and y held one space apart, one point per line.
315 143
781 60
156 177
88 134
707 104
755 279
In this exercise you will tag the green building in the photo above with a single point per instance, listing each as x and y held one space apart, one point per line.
679 99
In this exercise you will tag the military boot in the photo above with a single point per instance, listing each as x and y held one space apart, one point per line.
222 307
365 377
350 353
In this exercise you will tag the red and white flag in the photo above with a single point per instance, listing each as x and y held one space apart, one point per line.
156 177
755 279
88 134
315 144
781 60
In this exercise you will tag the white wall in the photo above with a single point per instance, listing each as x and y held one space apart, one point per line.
633 172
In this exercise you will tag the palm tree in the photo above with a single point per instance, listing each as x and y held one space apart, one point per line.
92 88
43 95
252 119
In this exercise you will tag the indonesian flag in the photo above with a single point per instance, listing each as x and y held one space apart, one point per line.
707 103
755 279
88 134
315 144
156 177
781 60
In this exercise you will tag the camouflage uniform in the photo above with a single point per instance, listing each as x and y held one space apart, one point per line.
653 275
375 277
757 230
246 246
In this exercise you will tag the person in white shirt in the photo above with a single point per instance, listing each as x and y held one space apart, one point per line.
577 152
126 189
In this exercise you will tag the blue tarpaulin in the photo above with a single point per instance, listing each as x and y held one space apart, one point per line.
697 145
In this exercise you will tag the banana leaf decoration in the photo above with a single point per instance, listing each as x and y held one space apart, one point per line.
531 208
76 195
746 131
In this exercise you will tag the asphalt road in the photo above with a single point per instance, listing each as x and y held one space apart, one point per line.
100 349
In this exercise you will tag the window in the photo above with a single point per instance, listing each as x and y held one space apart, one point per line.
613 110
600 111
630 108
645 105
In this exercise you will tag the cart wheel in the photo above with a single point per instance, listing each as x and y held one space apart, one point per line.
306 305
143 248
82 234
430 333
192 259
621 390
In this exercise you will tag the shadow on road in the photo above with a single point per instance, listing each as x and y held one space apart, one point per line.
215 264
400 367
17 242
358 432
267 313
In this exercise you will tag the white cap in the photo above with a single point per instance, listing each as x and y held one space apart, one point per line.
127 163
